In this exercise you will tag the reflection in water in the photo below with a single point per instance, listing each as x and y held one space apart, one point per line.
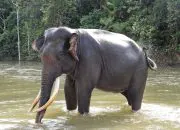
20 84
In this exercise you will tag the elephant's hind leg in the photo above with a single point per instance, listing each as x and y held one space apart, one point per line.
126 94
136 89
70 93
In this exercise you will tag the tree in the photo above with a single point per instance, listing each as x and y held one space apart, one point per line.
16 4
174 23
5 9
151 22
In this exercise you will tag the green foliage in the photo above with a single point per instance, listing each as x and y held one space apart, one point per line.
155 22
174 23
92 20
60 12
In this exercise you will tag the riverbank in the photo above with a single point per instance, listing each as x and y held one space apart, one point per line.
161 59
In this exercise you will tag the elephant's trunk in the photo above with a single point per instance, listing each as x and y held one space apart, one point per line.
42 108
53 96
45 92
46 87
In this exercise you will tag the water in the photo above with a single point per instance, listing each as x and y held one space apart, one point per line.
19 84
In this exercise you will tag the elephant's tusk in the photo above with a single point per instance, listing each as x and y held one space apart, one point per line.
36 100
52 98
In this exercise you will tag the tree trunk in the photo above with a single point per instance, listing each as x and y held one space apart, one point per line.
28 40
17 22
18 43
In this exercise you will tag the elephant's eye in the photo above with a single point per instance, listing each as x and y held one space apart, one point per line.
61 53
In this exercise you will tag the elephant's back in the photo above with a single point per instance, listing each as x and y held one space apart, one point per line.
105 38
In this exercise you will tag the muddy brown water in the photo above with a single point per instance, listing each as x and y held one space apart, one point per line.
19 84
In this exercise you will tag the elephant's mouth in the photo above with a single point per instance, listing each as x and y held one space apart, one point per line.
51 99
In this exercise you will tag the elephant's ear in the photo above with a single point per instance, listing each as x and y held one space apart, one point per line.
73 46
37 44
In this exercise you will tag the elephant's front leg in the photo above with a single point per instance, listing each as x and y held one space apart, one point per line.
84 90
70 93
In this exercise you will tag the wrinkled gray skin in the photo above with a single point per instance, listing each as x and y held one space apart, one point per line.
108 61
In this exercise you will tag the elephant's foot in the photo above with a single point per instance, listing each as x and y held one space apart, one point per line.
83 110
136 107
71 107
135 111
84 114
39 116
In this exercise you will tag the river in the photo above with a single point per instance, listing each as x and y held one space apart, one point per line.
19 85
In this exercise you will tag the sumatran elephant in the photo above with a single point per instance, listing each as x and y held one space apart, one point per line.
90 58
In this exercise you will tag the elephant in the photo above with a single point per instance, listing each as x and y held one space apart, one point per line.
90 58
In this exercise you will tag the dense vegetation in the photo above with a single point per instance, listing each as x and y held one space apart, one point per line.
149 22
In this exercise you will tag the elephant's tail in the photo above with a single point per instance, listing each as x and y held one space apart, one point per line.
151 64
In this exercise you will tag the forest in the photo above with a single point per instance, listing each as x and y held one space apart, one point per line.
151 23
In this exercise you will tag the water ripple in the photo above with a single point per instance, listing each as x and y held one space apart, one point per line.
162 112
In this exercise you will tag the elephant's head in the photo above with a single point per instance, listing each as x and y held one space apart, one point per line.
58 51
